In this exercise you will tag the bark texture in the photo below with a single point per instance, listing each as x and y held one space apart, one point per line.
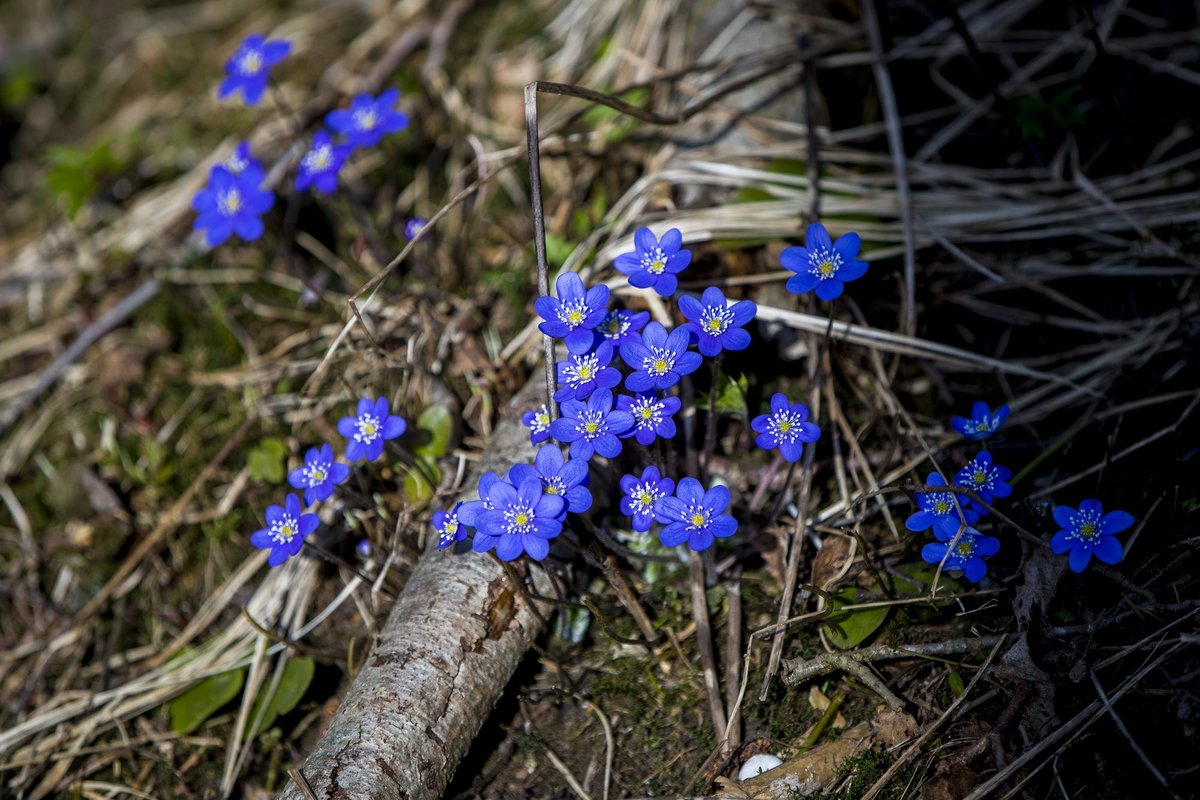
449 647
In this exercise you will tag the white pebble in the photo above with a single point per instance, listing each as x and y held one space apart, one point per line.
756 765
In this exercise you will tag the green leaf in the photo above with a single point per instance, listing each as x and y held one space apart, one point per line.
265 461
731 395
439 424
955 682
190 710
417 488
558 248
851 628
297 676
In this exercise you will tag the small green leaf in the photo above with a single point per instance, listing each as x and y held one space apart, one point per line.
190 710
438 423
851 628
558 249
265 461
417 488
955 682
731 395
297 676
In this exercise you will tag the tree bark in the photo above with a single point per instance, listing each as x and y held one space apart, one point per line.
450 645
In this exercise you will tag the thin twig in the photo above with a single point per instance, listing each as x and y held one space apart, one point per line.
704 643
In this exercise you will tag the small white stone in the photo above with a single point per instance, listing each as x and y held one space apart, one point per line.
756 765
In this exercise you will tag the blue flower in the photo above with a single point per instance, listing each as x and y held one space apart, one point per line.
320 165
695 516
717 326
449 528
413 226
654 263
563 477
523 519
938 511
226 206
574 314
982 424
786 427
1089 532
285 531
591 428
985 478
243 166
580 375
642 496
651 416
249 68
967 553
368 119
659 360
369 428
538 422
319 474
620 325
824 265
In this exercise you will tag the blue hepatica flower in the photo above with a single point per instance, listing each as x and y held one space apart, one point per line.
966 554
1089 532
621 325
243 166
368 119
937 510
642 496
319 167
592 427
716 325
655 263
786 427
695 516
982 423
285 531
227 205
563 477
538 422
523 519
413 226
658 359
823 265
651 416
574 314
985 478
250 67
449 528
370 426
319 474
580 375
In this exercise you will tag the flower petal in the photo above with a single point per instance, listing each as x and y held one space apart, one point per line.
1115 522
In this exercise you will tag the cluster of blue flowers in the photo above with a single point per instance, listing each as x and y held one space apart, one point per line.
234 199
365 432
952 517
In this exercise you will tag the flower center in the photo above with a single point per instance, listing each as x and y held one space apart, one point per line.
231 202
644 496
716 320
318 159
284 529
659 362
316 473
615 325
236 165
1087 530
655 261
251 63
591 424
979 476
697 517
574 313
941 507
786 425
519 519
583 370
365 119
825 264
367 429
965 548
